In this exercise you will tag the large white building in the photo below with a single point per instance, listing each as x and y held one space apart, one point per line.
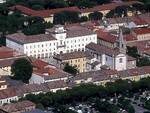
55 41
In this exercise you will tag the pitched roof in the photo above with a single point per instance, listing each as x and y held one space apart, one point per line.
106 36
23 39
39 63
68 56
78 30
143 46
131 58
108 6
100 49
130 37
73 30
6 52
50 73
141 31
139 21
41 13
6 62
15 107
6 93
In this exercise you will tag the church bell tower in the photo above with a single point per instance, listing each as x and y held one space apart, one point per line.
121 43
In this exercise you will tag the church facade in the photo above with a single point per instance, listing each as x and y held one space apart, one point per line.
108 58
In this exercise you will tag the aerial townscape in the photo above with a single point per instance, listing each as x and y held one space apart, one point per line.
74 56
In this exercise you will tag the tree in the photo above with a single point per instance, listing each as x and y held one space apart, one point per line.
102 1
40 106
147 104
132 51
138 7
144 61
50 4
2 39
34 29
110 14
66 17
95 16
37 7
83 18
70 69
85 3
22 69
119 11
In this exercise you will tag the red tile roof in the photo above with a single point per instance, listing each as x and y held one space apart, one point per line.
139 21
6 52
101 7
48 13
39 63
42 13
142 31
130 37
6 93
17 107
106 36
68 56
109 6
143 46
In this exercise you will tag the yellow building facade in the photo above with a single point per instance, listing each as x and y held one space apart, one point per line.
77 59
79 63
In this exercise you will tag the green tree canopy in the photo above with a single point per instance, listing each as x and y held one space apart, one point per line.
66 17
70 69
22 69
95 16
143 61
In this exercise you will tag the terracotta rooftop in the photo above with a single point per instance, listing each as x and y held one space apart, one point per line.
139 21
42 13
6 52
50 73
131 58
143 46
6 62
68 56
145 17
56 84
6 93
94 75
141 31
19 106
130 37
48 13
109 6
73 30
101 75
106 36
39 64
99 49
23 39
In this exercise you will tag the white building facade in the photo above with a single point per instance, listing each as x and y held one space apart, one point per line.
56 40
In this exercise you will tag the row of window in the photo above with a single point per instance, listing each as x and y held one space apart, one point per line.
54 48
61 42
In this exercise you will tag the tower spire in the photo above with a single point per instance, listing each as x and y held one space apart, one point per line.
121 41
